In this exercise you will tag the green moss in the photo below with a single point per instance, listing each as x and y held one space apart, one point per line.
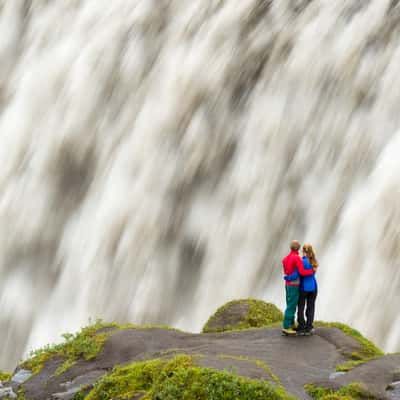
5 376
64 367
368 350
79 396
354 391
260 314
133 326
349 365
85 344
260 364
180 379
21 395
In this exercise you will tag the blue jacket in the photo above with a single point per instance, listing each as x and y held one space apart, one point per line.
307 283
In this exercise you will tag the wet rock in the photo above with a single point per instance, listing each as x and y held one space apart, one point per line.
69 395
396 375
335 375
21 376
393 391
76 385
7 392
375 376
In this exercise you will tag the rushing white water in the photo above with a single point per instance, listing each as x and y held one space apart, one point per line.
158 155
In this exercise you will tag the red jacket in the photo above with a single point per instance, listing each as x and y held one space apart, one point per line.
293 262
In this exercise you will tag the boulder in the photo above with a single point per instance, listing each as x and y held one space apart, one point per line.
243 314
7 393
21 376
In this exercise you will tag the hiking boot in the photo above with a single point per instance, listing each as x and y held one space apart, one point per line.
288 332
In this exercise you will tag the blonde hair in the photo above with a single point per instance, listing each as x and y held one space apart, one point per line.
309 252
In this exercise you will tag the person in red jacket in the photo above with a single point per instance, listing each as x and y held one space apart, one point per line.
292 263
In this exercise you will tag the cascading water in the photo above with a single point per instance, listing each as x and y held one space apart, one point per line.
158 155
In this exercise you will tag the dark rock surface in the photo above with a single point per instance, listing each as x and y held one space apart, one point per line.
258 353
294 360
74 386
376 375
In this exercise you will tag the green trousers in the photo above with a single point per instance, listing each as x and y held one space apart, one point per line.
292 298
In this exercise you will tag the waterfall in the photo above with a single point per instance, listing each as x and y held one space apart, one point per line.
157 156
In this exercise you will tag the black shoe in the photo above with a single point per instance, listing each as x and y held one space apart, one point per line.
300 328
301 332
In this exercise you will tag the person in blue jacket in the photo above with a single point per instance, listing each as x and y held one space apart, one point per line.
308 291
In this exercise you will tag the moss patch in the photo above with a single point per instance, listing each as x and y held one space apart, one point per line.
5 376
353 391
21 395
85 344
260 364
179 379
349 365
368 350
243 314
64 367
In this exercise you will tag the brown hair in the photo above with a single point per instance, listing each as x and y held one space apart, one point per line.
295 245
309 252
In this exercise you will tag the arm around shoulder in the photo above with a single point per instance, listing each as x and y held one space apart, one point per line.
302 270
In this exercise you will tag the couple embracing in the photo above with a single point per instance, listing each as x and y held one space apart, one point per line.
301 289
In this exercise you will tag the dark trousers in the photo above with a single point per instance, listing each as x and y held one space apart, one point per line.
306 299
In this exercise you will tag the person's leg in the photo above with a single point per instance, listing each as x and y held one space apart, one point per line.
311 297
292 298
300 311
